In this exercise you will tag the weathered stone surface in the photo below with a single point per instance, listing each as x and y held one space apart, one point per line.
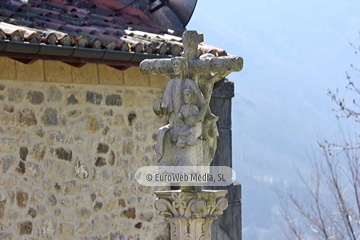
100 161
26 118
131 118
51 200
25 228
105 174
121 202
11 181
13 131
12 215
74 113
117 236
9 108
138 225
15 94
33 169
69 187
102 148
3 201
146 216
7 162
7 119
21 167
106 130
102 190
66 231
39 151
83 228
111 160
55 137
128 147
72 100
129 213
32 212
83 212
9 145
98 206
22 198
23 153
35 97
81 170
63 154
82 200
38 195
50 117
5 236
47 184
113 100
101 223
55 95
46 228
94 98
38 130
94 124
56 170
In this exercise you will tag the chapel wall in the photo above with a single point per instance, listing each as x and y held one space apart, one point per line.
71 140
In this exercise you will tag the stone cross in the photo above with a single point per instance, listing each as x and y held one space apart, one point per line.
190 137
197 74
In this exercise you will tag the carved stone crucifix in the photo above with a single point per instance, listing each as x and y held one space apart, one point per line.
190 137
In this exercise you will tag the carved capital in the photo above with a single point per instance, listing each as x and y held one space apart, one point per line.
190 214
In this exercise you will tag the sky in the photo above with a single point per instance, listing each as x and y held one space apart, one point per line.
293 51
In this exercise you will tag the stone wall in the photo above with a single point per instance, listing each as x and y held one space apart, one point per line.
68 153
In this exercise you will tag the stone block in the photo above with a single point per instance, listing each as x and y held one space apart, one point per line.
113 100
63 154
83 212
129 213
66 231
50 117
117 236
52 70
25 228
9 145
85 74
22 198
94 98
7 68
133 77
26 117
15 94
54 94
30 72
109 75
56 170
3 201
83 228
159 81
35 97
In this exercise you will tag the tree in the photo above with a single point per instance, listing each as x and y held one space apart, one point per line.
329 207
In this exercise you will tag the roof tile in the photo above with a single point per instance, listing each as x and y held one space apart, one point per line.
99 24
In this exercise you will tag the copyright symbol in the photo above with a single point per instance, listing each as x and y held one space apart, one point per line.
149 177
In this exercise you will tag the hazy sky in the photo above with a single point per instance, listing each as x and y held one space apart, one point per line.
293 52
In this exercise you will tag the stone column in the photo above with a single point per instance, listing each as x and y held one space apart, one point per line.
227 226
190 214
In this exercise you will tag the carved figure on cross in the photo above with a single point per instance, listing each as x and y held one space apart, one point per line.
196 73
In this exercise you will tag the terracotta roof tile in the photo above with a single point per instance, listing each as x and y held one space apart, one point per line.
99 24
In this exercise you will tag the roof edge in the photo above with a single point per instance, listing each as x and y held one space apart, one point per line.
25 50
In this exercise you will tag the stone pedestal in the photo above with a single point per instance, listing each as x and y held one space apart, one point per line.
190 214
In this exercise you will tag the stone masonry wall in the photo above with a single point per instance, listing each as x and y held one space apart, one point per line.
68 154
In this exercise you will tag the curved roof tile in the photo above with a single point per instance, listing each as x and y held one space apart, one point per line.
105 24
